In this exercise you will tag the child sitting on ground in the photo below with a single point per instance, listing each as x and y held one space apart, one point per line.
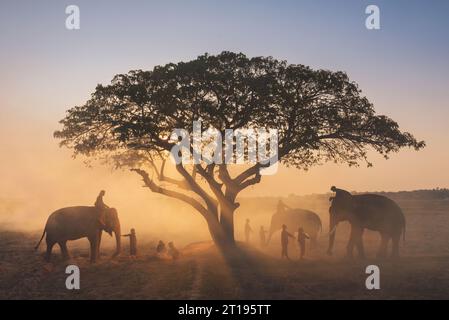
161 249
172 251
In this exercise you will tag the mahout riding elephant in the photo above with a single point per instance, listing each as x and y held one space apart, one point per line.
73 223
295 218
367 211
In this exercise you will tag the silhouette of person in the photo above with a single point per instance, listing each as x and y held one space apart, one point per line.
262 233
99 203
302 236
161 247
101 208
132 242
248 231
340 193
282 207
172 251
284 241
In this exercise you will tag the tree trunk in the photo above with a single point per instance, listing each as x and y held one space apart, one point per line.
227 224
222 232
227 216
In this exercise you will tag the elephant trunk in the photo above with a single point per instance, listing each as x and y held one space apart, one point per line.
117 232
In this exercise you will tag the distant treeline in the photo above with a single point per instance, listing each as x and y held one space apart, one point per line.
429 194
253 206
424 194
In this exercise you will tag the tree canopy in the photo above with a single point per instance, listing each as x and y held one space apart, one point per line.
320 116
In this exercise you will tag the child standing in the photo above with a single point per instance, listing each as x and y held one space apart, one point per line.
132 242
248 231
263 240
302 236
284 241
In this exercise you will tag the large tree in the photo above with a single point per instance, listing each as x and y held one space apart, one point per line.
320 116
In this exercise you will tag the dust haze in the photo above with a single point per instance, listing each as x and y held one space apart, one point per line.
42 178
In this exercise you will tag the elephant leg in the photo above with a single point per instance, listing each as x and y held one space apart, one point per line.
98 244
354 239
395 251
359 243
382 253
50 245
350 248
93 249
64 251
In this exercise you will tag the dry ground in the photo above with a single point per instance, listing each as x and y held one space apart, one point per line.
202 272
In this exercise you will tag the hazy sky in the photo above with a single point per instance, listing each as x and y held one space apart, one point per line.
402 68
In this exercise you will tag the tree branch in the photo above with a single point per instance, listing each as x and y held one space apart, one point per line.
195 187
249 182
174 194
215 187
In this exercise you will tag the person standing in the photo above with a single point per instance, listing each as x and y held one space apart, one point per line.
248 231
263 240
302 236
132 243
284 241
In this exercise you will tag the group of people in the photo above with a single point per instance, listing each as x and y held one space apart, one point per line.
302 236
161 249
285 235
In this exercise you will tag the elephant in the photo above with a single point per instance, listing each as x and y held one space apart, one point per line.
367 211
74 223
295 218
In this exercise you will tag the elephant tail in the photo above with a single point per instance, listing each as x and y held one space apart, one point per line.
43 234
